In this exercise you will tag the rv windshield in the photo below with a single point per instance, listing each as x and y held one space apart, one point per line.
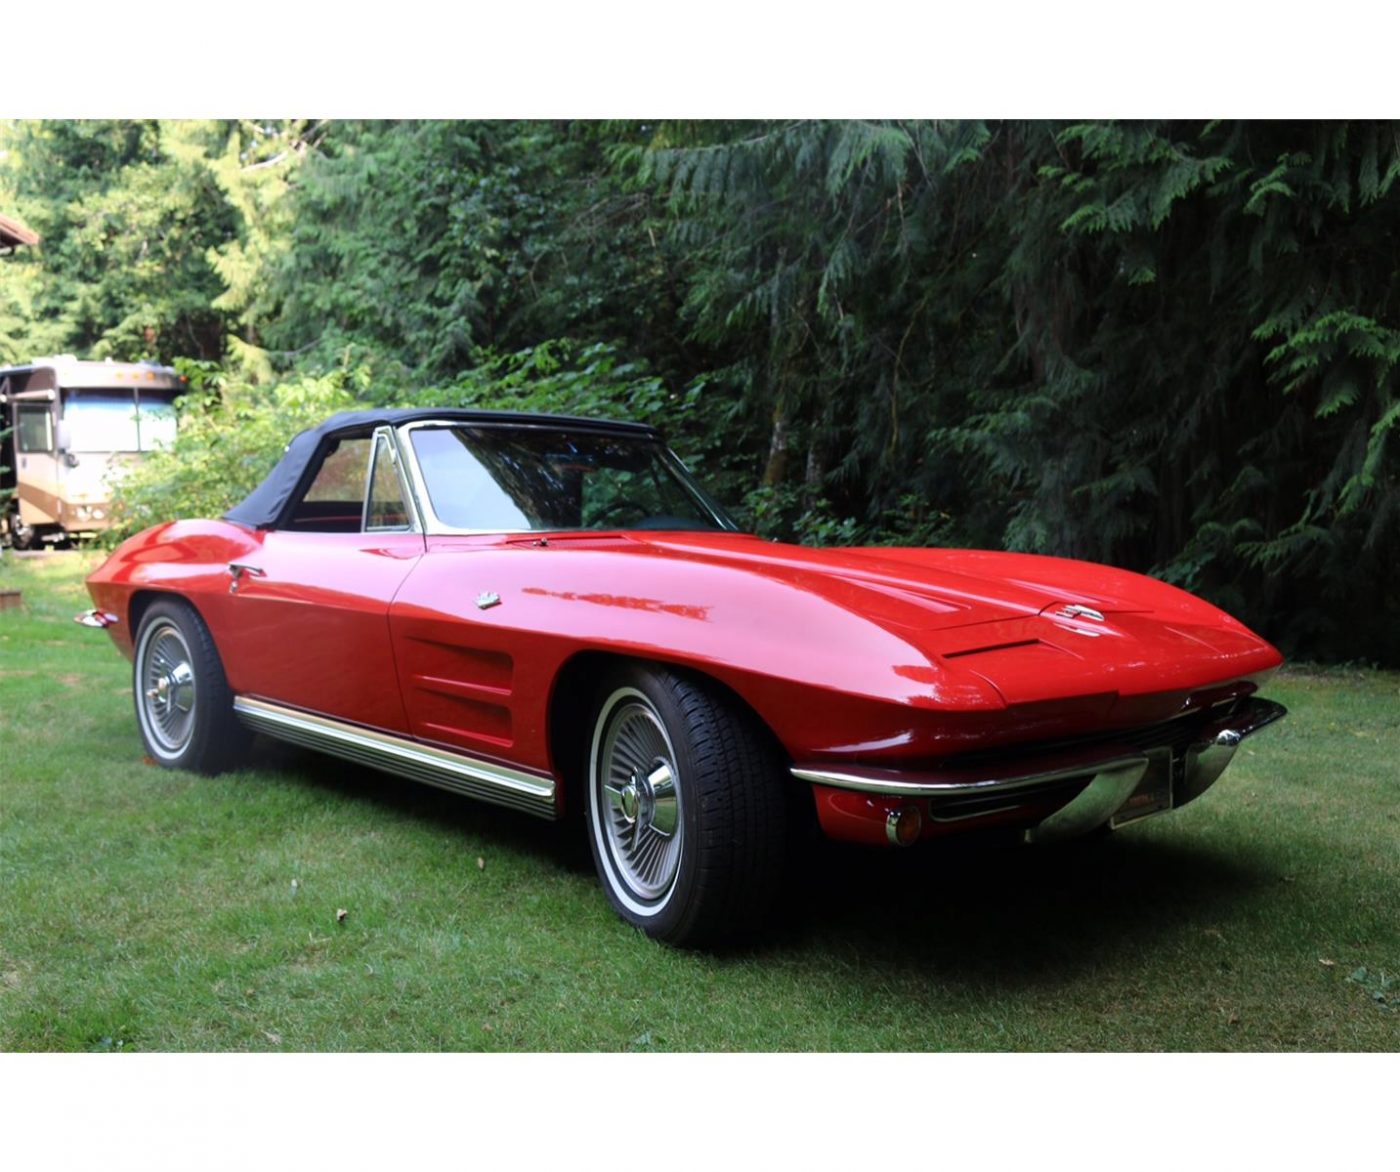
109 421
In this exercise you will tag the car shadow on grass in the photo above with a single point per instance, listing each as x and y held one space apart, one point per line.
559 845
1012 913
970 910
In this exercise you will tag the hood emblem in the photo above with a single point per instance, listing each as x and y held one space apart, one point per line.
487 600
1075 611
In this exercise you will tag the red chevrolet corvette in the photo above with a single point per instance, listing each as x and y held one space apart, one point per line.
550 614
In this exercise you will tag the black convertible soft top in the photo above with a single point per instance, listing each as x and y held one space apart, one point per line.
263 507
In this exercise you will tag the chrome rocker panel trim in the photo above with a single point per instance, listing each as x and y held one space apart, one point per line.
1113 776
475 778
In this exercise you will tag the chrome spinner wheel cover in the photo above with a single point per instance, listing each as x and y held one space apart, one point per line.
637 802
165 689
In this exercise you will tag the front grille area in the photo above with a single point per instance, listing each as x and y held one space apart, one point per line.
1051 789
966 808
1176 735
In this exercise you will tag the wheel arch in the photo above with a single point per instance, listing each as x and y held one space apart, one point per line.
574 694
142 600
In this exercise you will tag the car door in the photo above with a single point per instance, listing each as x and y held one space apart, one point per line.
311 602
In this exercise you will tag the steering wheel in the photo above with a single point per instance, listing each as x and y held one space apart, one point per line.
616 507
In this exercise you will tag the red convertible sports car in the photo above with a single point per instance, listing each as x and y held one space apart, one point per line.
548 613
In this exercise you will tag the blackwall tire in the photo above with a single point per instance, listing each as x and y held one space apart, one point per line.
184 707
22 536
685 807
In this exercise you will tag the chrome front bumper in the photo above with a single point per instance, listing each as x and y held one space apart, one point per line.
1122 783
101 619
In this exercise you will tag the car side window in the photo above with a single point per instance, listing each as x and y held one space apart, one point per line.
334 502
385 506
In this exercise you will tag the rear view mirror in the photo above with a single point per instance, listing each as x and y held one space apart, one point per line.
64 437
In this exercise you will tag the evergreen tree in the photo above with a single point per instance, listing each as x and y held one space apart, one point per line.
1166 345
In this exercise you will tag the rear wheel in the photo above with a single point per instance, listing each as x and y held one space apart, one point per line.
184 707
685 807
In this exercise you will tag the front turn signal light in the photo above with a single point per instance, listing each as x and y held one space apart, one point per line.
904 825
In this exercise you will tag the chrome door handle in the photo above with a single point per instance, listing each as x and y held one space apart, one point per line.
238 569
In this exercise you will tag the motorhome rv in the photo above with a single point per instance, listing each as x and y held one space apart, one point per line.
71 428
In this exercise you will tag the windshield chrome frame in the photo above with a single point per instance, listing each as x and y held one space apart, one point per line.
434 526
410 495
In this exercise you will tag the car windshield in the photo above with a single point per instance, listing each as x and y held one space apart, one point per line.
496 478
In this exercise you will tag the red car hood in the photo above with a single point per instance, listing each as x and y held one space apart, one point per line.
1035 628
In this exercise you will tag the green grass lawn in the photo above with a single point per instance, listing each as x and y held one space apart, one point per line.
142 909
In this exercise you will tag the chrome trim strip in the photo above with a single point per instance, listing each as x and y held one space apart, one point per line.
1256 713
1111 781
402 757
396 457
893 784
1225 733
434 526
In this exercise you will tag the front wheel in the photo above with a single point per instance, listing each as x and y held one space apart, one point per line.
22 536
685 807
184 707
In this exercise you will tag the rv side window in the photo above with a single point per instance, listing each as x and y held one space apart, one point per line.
34 428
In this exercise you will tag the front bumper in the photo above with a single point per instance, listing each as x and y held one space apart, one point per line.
1058 793
99 619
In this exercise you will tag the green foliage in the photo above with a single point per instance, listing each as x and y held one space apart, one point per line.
124 217
565 377
256 172
809 246
785 511
1383 988
231 432
429 241
790 512
560 377
230 435
1252 380
154 234
1166 345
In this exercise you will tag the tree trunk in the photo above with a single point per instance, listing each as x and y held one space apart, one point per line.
776 470
814 475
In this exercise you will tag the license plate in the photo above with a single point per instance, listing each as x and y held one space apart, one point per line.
1154 792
